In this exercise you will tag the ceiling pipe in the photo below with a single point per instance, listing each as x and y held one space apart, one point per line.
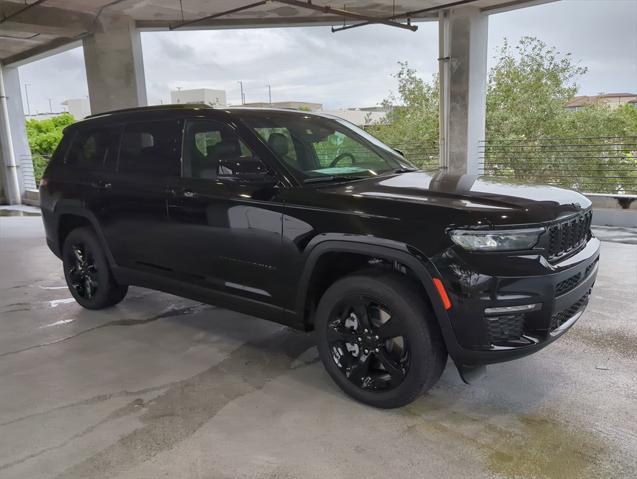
22 10
407 15
346 13
216 15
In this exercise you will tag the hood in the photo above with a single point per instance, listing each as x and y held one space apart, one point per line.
497 203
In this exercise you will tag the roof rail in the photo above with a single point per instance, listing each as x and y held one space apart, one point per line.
176 106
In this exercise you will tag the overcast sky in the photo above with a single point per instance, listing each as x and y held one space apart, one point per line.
351 68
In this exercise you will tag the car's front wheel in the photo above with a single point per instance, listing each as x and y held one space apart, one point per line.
378 340
87 272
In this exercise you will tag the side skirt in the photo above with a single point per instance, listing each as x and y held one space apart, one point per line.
209 296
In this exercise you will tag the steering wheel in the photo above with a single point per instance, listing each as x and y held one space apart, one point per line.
340 157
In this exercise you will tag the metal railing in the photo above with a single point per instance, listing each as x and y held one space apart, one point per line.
422 154
25 168
589 165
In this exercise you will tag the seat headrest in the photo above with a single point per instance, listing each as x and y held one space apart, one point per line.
279 143
226 149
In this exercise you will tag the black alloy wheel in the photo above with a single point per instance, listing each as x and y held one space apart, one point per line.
368 344
378 339
82 271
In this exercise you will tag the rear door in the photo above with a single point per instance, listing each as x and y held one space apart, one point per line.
133 214
88 161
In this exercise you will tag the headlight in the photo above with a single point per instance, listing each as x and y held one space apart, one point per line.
496 240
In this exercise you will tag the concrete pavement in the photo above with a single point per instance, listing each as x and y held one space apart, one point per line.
161 386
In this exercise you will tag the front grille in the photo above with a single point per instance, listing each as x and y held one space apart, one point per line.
568 235
558 319
567 285
505 328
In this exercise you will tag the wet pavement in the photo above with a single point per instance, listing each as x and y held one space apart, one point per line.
161 386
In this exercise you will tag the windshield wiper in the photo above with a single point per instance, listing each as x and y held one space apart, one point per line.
321 179
405 170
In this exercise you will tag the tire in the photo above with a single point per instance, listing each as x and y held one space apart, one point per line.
87 272
396 370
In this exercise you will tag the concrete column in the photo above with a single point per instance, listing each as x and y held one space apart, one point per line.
11 184
114 66
463 84
21 148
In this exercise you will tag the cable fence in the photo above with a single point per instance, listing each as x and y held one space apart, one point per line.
591 165
586 164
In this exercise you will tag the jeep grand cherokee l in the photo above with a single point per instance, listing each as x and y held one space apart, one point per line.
309 221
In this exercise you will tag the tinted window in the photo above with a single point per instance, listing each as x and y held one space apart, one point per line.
90 149
151 149
316 146
213 149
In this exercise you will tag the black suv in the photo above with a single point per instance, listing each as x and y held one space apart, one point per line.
309 221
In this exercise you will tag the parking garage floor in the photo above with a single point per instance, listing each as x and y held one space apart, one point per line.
161 386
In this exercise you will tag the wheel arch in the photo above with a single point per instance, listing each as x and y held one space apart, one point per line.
70 217
389 251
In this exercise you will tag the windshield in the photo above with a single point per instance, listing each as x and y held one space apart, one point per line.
314 146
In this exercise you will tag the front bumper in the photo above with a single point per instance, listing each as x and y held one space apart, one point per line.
560 292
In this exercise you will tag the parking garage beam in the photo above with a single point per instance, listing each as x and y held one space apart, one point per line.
463 37
114 66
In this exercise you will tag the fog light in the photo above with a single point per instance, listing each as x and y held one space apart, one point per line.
523 308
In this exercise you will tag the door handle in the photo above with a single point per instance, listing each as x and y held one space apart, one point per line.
101 185
181 192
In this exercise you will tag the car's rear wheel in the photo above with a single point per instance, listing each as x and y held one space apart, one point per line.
87 272
378 339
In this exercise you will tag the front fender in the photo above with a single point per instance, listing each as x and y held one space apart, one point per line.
388 250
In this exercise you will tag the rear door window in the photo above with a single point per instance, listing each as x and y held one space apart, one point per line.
151 149
92 148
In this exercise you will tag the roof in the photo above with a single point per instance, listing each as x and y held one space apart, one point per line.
29 29
169 111
141 109
587 100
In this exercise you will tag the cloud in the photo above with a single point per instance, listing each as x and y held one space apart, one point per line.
355 67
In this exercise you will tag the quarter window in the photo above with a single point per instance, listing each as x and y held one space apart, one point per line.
91 148
151 149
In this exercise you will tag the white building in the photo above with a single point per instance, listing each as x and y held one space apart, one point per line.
79 108
359 117
207 96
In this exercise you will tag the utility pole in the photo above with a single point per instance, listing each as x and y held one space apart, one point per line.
269 94
26 93
243 96
50 106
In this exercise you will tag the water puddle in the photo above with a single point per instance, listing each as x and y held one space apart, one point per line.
56 302
18 213
58 323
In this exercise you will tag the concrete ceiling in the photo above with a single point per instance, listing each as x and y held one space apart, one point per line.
46 25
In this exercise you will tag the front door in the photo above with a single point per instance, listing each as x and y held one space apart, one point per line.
225 219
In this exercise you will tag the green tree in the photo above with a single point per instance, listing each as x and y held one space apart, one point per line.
44 136
528 88
526 123
412 118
